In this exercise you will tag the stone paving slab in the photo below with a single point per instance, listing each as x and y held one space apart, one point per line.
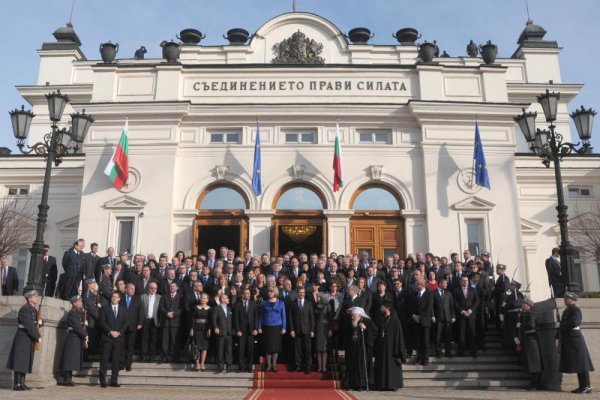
161 393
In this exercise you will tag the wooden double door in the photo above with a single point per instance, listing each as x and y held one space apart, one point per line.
215 229
380 236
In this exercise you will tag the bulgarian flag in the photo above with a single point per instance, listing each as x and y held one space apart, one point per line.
117 169
337 160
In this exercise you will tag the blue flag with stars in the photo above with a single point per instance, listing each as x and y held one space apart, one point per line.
479 169
256 181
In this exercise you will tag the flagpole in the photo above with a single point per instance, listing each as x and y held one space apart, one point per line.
474 161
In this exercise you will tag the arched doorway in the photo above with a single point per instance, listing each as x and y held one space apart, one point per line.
221 220
299 224
377 226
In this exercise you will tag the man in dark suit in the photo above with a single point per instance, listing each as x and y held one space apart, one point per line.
72 263
457 275
135 321
553 269
165 284
113 323
49 272
302 330
109 259
372 280
443 311
171 309
466 303
90 265
222 323
422 317
402 305
245 322
9 278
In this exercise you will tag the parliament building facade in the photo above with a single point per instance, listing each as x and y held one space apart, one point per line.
406 130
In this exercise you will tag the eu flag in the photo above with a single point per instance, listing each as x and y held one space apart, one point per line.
479 170
256 181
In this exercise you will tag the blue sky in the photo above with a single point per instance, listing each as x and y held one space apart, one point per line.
26 24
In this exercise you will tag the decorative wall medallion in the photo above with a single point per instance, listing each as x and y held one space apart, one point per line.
466 181
298 171
298 49
222 171
376 171
133 181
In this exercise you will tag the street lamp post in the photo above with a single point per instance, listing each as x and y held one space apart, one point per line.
56 144
550 146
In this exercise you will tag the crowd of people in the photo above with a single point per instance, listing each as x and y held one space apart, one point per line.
291 309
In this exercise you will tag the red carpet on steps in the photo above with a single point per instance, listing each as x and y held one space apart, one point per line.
277 385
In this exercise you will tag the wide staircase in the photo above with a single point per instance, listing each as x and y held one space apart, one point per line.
495 367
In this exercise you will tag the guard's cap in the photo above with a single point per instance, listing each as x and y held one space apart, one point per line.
527 300
501 266
31 293
75 298
516 284
485 254
571 295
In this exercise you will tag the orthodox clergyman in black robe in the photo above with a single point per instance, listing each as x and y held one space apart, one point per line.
360 350
388 351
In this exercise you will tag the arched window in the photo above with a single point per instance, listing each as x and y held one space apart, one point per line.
299 198
222 198
375 198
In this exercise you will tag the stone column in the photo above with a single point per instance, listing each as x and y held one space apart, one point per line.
415 230
338 230
46 362
259 230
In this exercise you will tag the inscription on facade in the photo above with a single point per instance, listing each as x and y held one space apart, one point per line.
324 85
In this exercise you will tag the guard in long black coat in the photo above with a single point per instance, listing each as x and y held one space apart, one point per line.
511 310
91 304
388 350
532 360
72 356
574 355
20 359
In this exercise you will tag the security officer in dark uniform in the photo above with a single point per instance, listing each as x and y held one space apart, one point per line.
20 359
72 357
512 308
574 355
527 340
91 305
499 294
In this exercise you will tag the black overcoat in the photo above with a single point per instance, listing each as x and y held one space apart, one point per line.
532 361
20 358
574 355
388 354
72 356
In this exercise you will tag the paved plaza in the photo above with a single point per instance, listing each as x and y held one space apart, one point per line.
154 393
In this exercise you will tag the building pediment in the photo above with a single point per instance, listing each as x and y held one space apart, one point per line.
125 202
69 223
473 203
529 227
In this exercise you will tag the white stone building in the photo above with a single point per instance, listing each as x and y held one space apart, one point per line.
406 128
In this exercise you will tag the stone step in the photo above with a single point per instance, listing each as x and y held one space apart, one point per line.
210 381
176 373
467 383
441 367
461 375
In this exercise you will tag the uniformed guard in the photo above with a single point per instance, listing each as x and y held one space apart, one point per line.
499 294
72 357
512 308
20 359
91 305
574 355
528 341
